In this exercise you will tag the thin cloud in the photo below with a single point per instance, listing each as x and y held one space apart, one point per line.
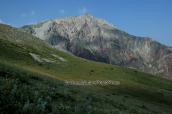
82 11
4 22
33 12
22 15
62 11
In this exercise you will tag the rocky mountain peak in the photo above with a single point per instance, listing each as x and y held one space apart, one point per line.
88 15
96 39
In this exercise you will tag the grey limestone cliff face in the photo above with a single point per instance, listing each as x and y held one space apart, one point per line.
95 39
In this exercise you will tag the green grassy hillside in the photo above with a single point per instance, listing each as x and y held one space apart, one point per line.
28 86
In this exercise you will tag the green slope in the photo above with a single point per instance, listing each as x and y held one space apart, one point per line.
138 92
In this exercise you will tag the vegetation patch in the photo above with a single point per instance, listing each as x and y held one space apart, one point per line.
26 92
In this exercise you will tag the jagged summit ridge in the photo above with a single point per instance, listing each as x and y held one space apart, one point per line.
96 39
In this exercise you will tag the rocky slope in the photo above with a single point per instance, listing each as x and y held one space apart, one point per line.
95 39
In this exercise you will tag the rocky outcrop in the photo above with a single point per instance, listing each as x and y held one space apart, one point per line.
95 39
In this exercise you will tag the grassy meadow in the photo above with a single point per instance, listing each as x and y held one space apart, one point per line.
28 86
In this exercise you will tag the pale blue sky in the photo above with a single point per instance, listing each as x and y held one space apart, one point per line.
144 18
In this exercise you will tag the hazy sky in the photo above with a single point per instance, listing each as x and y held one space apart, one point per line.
144 18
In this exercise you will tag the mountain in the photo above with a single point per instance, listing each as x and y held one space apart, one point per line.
32 75
95 39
